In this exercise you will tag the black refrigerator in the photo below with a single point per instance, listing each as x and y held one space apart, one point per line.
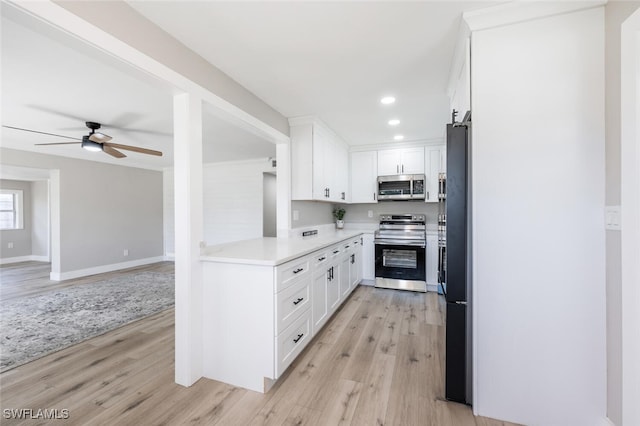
455 260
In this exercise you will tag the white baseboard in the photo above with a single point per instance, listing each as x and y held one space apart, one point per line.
170 256
432 287
18 259
60 276
368 282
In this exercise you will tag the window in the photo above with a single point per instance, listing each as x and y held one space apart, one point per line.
10 209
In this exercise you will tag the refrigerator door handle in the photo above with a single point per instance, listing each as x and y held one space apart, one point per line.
460 303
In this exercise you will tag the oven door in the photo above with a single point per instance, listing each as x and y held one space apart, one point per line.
400 260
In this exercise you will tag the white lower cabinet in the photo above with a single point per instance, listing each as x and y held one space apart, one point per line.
320 308
258 318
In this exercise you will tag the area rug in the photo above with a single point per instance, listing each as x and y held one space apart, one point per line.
33 327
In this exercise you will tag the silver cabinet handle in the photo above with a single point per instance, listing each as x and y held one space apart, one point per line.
403 168
397 168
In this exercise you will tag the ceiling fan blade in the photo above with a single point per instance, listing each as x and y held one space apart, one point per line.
42 133
56 112
112 152
58 143
133 148
99 137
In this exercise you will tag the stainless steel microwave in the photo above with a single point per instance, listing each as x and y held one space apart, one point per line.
401 187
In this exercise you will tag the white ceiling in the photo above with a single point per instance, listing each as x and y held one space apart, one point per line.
53 83
334 60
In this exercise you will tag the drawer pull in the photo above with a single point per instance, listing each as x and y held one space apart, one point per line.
336 251
296 340
300 299
346 247
298 270
321 259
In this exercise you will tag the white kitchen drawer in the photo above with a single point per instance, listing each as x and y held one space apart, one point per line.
291 302
320 258
292 341
336 250
288 273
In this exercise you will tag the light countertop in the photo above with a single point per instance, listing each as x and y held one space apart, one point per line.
272 251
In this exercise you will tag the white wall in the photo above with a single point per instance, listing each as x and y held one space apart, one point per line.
104 209
539 249
232 202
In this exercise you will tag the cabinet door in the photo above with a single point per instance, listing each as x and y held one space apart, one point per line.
345 279
319 299
321 142
364 172
339 173
433 162
432 260
333 287
354 268
412 161
368 258
389 162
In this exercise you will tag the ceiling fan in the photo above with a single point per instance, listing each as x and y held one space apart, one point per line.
95 141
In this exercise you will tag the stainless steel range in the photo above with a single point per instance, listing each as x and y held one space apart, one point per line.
400 246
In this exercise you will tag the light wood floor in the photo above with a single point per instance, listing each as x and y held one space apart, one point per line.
378 361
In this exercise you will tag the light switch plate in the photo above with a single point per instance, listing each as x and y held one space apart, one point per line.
612 219
296 215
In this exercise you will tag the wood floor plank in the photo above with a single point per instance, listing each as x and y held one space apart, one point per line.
372 405
341 407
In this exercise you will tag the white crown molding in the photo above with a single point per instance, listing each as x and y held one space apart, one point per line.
521 11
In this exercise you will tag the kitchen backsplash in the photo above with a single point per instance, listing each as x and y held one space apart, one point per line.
317 212
308 213
360 212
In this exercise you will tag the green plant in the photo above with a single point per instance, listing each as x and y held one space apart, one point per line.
339 213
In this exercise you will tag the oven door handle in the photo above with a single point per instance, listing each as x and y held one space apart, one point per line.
411 243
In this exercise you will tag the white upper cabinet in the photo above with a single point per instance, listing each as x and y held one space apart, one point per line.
319 162
403 161
364 173
435 162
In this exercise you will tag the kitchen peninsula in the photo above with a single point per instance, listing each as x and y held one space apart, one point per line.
264 299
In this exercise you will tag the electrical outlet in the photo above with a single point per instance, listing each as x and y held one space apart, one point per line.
10 244
126 252
370 213
296 215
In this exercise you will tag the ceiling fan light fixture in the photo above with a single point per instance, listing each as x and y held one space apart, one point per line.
90 145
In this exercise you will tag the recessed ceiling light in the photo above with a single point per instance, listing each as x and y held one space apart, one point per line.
398 137
388 100
394 122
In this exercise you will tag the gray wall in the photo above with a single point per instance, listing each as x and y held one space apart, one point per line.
118 19
104 209
21 238
40 218
615 13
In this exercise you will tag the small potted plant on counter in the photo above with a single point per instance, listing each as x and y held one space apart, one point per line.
338 213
